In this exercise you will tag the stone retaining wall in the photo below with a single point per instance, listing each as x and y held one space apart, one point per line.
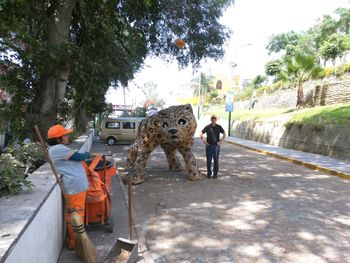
326 94
332 141
318 92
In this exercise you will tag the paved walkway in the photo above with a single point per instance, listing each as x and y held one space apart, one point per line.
105 241
310 160
260 209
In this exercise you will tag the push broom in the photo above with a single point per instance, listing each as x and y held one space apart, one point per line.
84 247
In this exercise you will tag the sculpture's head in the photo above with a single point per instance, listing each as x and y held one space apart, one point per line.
177 124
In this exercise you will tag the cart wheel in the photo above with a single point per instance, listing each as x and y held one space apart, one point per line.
110 225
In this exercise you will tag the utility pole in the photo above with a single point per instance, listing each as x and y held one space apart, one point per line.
199 95
229 104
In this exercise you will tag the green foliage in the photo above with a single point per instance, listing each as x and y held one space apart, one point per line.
319 117
244 94
12 178
96 44
102 115
139 112
325 27
344 19
273 67
326 72
342 69
265 90
279 42
16 164
300 67
334 46
202 87
328 38
258 81
337 71
213 94
29 155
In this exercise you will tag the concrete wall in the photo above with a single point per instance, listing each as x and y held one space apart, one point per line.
332 141
31 224
43 238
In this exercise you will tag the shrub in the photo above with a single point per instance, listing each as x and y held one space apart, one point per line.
342 69
12 177
326 72
15 166
244 94
213 94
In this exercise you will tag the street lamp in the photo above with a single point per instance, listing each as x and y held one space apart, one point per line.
233 63
199 95
229 103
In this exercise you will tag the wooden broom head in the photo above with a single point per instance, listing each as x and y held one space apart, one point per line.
84 248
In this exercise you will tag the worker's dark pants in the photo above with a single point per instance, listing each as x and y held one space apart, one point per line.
212 152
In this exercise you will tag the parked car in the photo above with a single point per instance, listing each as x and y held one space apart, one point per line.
121 129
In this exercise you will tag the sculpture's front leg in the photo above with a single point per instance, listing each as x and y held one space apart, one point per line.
137 171
132 155
173 160
193 172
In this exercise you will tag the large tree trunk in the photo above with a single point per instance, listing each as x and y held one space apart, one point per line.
51 92
300 96
81 118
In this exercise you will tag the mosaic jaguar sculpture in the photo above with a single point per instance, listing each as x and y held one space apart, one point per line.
173 129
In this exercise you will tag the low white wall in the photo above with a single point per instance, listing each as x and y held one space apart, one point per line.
32 223
43 238
86 140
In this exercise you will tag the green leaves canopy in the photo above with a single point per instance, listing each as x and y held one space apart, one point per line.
47 46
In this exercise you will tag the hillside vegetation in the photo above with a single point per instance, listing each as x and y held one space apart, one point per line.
337 114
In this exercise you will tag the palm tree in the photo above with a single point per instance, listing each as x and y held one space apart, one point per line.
298 69
205 87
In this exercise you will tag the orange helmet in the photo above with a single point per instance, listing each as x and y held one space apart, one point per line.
57 131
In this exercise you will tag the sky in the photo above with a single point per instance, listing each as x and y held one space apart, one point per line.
252 22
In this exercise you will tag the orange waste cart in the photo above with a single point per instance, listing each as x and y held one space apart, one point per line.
98 199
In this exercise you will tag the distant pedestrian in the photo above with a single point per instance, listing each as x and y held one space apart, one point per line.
212 144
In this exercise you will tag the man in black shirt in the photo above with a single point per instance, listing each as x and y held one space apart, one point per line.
212 144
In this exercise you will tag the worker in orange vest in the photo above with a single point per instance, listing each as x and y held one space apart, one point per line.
69 166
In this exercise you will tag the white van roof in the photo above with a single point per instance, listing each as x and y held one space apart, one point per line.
124 118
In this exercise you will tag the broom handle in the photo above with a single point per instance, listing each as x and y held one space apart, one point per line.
129 208
48 158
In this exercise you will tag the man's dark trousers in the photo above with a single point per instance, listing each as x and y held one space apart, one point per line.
212 152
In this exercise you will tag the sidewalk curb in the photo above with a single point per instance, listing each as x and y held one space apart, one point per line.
143 249
305 164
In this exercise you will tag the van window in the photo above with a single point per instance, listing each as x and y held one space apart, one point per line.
112 125
128 125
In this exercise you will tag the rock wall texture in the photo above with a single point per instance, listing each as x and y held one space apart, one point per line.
332 141
318 92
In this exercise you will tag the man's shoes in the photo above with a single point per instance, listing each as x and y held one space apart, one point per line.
215 176
208 176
